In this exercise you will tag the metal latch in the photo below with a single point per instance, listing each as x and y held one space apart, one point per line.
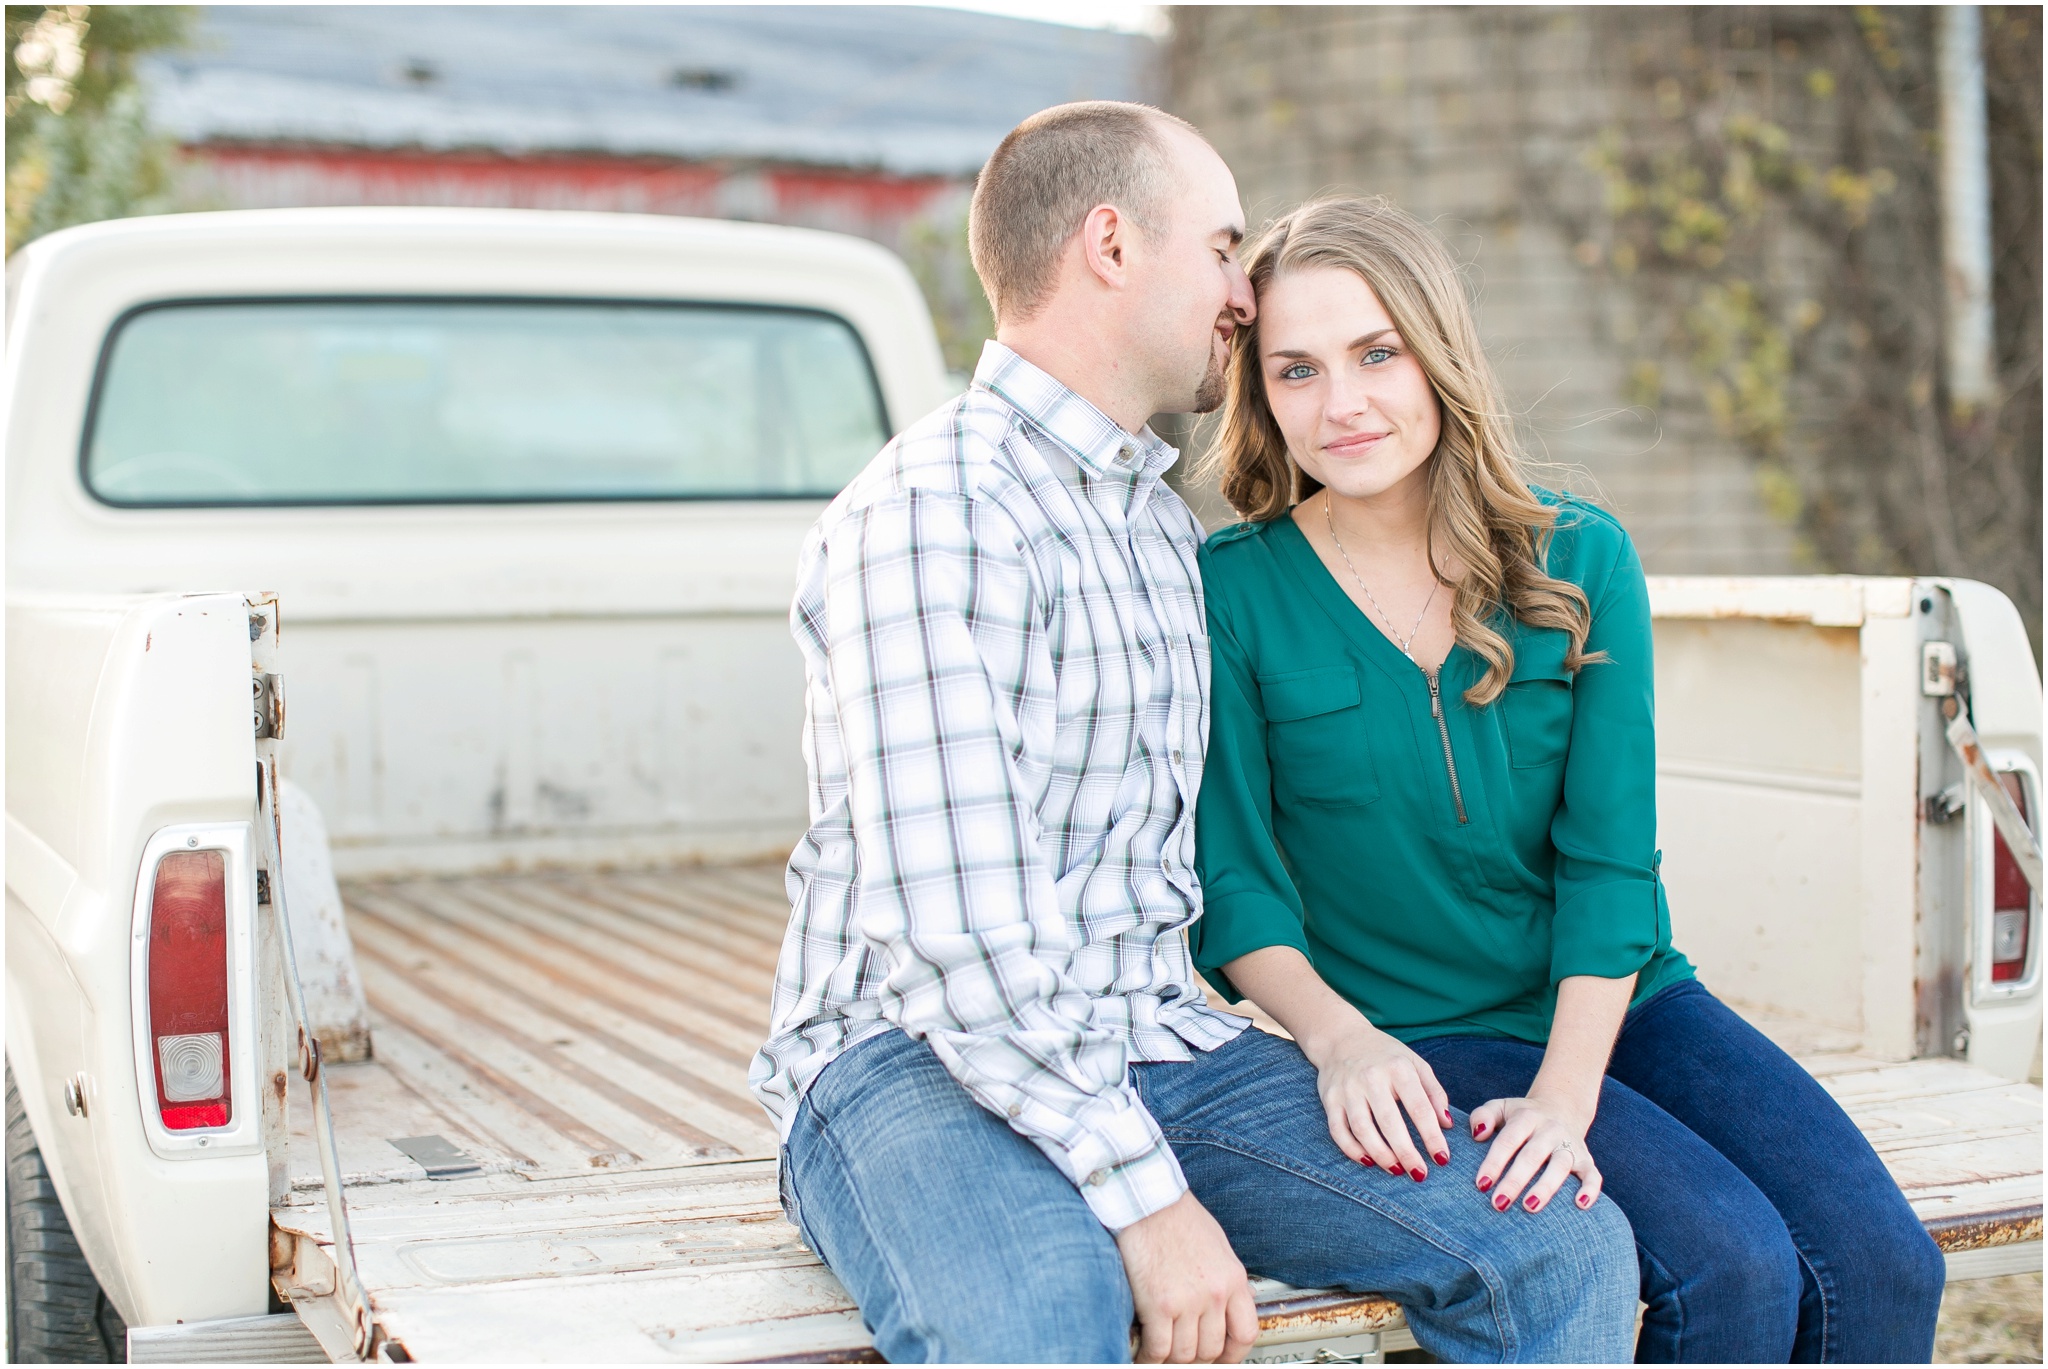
1937 669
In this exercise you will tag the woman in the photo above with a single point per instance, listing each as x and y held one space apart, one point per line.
1427 825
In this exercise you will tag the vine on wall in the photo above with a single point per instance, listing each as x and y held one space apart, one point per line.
1770 203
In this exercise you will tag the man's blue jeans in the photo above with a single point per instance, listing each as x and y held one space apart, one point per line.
1768 1228
961 1241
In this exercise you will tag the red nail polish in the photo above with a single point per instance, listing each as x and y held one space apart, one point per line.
1585 1200
1484 1183
1442 1157
1479 1133
1500 1202
1417 1175
1447 1117
1532 1202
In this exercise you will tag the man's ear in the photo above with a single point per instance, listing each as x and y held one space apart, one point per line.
1105 239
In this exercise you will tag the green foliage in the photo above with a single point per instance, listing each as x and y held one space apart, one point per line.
79 146
1697 213
936 249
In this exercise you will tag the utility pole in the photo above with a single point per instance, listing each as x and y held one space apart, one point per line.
1972 370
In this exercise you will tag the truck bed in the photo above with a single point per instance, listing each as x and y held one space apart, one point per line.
582 1040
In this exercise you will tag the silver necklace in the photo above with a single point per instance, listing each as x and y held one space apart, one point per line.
1385 617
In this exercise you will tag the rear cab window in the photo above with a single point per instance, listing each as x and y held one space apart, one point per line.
273 402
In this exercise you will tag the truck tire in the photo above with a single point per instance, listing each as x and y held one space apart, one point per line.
56 1311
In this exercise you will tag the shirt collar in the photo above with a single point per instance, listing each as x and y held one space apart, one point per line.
1072 421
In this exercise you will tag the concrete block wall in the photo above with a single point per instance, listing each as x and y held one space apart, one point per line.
1476 120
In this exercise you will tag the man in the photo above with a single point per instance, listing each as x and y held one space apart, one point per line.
1008 1114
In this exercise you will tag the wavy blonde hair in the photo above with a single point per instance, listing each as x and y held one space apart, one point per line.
1480 504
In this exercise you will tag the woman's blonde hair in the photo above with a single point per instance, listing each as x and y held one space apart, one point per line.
1480 504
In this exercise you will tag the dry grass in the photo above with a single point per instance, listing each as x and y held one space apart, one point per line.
1990 1321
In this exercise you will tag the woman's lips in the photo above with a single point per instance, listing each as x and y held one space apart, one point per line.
1354 444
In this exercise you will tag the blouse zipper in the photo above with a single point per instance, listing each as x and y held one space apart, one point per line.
1443 730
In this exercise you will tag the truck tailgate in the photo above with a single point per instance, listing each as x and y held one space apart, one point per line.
582 1041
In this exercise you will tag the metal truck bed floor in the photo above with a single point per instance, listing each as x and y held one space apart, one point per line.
583 1040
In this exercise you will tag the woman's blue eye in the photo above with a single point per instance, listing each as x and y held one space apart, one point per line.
1375 355
1298 371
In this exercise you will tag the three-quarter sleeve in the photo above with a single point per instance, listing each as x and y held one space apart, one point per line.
1605 829
1248 899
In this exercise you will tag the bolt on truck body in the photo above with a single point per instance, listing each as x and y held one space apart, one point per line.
412 1020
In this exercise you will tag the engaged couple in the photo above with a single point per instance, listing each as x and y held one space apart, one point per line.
1379 759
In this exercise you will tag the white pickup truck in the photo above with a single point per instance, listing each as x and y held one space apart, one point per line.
412 1022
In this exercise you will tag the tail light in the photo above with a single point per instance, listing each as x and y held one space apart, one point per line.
188 990
2011 899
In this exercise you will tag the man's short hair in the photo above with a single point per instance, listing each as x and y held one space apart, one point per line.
1045 177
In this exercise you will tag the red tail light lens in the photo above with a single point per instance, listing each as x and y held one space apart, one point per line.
188 989
2011 899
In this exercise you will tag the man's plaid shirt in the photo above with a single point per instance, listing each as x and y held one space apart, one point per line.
1006 708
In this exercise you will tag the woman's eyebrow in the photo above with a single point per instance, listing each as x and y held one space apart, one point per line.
1356 343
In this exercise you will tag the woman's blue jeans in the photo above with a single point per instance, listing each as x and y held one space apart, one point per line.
1767 1228
961 1241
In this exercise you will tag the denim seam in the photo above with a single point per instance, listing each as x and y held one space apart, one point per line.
903 1285
1821 1286
1496 1290
1677 1302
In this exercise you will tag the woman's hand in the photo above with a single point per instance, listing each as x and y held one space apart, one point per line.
1367 1079
1534 1138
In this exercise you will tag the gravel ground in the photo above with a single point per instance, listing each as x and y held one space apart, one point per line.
1990 1321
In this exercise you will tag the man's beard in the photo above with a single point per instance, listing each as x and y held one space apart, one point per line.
1209 393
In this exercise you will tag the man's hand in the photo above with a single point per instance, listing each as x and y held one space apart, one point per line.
1193 1301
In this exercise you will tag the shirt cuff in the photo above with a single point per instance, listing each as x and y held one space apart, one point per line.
1125 1170
1608 931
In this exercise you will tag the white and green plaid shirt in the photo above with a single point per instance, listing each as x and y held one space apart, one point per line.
1007 702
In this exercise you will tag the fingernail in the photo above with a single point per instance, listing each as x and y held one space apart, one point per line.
1479 1132
1532 1202
1500 1202
1447 1117
1484 1183
1442 1157
1585 1200
1417 1175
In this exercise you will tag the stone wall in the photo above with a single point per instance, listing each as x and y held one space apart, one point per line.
1479 121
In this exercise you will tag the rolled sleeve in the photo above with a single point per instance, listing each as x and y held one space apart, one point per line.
1249 900
1609 901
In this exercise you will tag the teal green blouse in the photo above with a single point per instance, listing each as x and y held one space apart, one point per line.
1443 879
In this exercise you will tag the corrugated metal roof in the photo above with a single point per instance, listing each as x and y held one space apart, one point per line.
910 91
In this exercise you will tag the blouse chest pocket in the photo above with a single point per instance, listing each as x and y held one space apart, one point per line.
1316 738
1537 704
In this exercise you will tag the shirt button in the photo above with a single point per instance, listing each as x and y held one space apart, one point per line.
1098 1178
1016 1109
1176 757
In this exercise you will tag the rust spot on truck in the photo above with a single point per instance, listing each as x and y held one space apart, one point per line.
1981 1231
1347 1314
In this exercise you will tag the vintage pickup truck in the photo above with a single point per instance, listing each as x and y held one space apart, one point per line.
412 1021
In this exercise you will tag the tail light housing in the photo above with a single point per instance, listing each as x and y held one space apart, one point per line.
188 990
2005 912
2012 901
193 991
